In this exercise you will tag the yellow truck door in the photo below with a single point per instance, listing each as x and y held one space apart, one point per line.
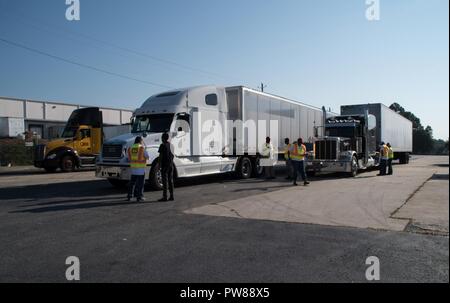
83 144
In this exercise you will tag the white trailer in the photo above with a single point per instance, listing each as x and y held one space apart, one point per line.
212 129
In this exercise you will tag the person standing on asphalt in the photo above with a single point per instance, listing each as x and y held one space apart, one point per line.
137 156
298 153
384 151
287 157
390 159
268 158
166 165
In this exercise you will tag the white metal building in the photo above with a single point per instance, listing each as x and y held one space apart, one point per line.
47 118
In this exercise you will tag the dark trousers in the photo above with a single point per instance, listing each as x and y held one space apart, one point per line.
299 167
167 180
289 168
136 186
383 164
389 164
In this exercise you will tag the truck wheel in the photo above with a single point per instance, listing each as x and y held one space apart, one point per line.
244 169
404 158
67 164
121 184
155 178
354 165
258 171
50 170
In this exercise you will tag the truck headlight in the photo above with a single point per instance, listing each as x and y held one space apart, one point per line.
345 155
51 157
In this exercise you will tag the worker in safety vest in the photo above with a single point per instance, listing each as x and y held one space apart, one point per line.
384 157
287 158
268 159
137 156
390 159
298 154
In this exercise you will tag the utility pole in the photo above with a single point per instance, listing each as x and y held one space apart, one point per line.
262 87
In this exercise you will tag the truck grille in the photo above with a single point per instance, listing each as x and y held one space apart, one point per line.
112 151
39 152
326 150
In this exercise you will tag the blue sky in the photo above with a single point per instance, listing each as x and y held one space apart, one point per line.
321 52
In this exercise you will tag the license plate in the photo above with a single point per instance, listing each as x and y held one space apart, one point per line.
111 172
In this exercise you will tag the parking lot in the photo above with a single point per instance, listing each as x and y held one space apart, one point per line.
221 229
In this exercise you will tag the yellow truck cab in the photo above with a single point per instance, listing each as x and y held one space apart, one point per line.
79 145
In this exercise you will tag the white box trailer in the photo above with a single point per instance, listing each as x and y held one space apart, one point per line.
11 127
391 126
213 130
292 119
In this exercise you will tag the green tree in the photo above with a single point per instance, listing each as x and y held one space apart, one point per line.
423 142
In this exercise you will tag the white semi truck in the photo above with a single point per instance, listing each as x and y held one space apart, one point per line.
212 129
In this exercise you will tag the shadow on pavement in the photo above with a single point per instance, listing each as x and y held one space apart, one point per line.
439 177
37 171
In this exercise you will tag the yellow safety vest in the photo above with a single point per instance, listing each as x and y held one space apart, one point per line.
297 155
391 153
385 154
136 156
286 152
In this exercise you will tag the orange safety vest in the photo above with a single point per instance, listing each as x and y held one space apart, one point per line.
297 155
136 156
385 153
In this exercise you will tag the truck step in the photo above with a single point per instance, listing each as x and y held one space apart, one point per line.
87 161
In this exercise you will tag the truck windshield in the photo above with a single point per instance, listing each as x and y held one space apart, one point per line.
153 123
69 132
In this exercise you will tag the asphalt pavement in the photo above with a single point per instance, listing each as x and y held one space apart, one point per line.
46 218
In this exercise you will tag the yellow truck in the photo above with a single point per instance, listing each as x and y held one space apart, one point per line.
80 142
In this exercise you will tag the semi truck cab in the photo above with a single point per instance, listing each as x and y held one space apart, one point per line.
78 146
352 140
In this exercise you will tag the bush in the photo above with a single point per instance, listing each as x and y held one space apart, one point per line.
15 152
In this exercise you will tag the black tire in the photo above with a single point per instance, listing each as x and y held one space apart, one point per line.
121 184
50 170
258 171
355 167
155 178
311 173
244 169
67 164
404 158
